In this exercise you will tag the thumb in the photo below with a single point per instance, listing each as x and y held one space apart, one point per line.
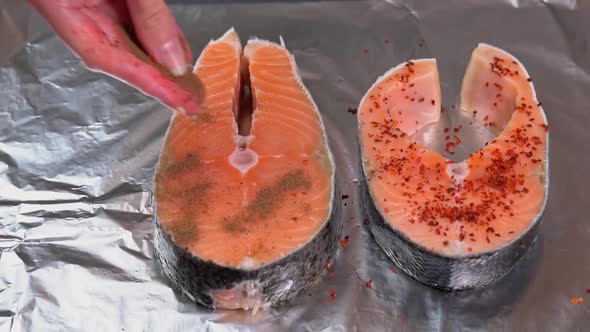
159 35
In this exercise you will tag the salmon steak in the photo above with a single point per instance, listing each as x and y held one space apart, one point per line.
455 225
245 212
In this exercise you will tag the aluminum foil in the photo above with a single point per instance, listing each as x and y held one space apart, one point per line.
78 150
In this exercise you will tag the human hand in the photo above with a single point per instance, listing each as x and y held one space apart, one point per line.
113 36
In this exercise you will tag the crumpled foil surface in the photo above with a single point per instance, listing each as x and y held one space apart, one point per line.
78 150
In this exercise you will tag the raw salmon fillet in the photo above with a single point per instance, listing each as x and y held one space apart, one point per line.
455 225
246 220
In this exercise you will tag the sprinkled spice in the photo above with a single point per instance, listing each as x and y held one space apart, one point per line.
365 50
576 300
184 231
352 110
345 241
393 269
189 163
267 199
499 67
233 226
369 283
386 41
193 195
332 294
329 263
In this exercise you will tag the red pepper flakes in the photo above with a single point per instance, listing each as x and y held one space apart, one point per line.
447 130
369 283
576 300
432 102
529 79
365 50
344 196
352 110
522 245
546 127
329 263
393 269
498 67
387 41
332 294
345 242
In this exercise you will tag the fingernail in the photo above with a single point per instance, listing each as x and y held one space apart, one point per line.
173 57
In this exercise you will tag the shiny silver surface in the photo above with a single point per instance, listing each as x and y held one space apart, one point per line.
78 151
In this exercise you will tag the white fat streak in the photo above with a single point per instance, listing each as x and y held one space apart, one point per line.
249 263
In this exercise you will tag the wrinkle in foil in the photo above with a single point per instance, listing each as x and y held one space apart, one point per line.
78 150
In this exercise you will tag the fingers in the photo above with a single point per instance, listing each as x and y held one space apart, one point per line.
120 57
159 35
103 45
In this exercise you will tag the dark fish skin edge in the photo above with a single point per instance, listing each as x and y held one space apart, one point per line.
196 277
445 273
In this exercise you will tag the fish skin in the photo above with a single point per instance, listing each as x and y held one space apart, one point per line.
445 272
197 278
